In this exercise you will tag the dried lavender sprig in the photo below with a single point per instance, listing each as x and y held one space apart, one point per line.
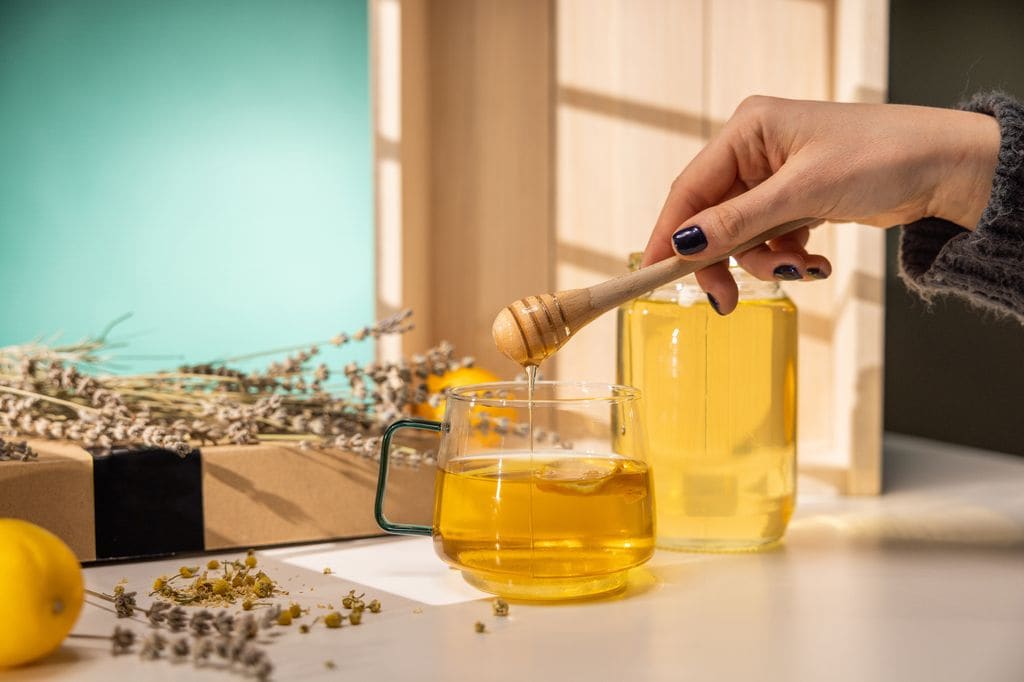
121 640
125 605
83 352
393 324
105 412
177 619
224 623
181 649
201 623
153 646
16 450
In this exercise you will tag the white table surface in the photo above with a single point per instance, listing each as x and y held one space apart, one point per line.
923 583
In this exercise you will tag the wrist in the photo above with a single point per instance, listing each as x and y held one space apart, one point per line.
967 170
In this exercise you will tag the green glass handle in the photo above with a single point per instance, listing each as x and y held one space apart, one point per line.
382 478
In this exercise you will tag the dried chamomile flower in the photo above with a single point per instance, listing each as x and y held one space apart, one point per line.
213 564
479 627
351 600
500 607
333 619
327 570
356 617
304 629
284 618
238 583
374 606
250 559
295 610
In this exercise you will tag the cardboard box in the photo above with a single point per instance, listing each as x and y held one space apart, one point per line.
54 491
150 502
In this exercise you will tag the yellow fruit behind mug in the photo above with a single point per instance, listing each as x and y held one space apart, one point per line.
41 592
464 376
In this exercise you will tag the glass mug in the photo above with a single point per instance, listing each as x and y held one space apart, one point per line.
564 519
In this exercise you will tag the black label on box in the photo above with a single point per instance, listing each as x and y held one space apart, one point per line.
148 503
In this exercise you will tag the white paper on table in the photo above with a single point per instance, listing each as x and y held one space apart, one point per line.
408 567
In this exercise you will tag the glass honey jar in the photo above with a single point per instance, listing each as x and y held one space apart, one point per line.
719 409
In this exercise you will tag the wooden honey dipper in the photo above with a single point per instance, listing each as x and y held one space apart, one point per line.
533 328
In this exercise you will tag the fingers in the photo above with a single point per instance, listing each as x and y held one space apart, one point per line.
817 267
720 287
785 258
719 229
764 263
769 264
793 241
704 182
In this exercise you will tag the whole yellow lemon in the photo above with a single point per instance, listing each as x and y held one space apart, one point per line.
464 376
41 591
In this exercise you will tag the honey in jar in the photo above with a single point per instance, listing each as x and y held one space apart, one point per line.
719 409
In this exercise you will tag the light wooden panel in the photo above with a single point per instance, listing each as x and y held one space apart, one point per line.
783 48
490 119
861 68
400 82
628 116
464 186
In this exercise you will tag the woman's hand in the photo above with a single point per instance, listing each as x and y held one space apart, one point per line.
778 160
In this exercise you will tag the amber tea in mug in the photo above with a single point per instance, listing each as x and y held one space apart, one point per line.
564 520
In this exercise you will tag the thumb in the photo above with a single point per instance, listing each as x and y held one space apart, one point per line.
719 229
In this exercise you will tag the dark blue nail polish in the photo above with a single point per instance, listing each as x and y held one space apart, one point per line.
787 272
689 240
817 273
714 304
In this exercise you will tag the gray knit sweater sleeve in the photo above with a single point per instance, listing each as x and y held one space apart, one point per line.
984 266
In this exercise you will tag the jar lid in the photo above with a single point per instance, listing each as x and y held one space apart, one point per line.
686 290
635 257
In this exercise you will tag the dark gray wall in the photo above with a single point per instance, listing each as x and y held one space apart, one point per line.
952 373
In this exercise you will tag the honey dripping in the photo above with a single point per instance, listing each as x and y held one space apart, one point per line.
531 383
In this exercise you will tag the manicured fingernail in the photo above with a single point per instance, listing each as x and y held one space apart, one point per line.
817 273
787 272
689 240
714 304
